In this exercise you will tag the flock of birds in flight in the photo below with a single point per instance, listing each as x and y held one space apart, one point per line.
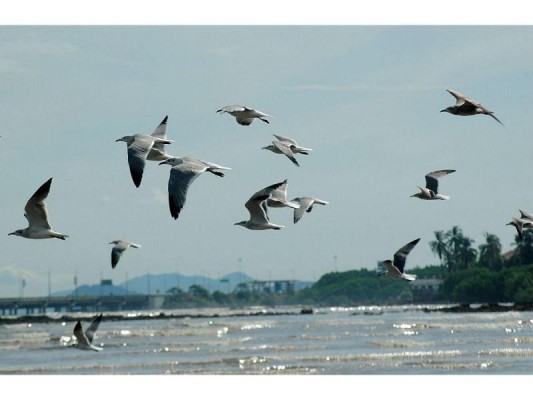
184 170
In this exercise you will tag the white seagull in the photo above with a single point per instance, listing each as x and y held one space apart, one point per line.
278 197
85 339
257 207
287 146
430 192
139 147
37 215
306 204
120 247
465 106
244 115
395 268
183 172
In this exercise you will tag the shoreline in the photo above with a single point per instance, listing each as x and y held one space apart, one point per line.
175 313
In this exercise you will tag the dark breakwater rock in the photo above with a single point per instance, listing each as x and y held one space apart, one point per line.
489 307
32 319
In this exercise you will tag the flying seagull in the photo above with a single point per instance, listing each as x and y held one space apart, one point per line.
278 197
287 146
244 115
139 147
430 192
37 215
120 247
257 207
395 268
524 222
85 339
306 204
183 172
465 106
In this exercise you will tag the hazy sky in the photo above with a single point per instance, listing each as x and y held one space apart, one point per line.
365 98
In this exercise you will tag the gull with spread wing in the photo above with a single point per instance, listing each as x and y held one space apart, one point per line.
85 339
395 269
183 172
278 197
465 106
120 246
37 215
244 115
306 205
257 207
141 148
430 192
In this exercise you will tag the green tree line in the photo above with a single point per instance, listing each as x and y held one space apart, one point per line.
468 274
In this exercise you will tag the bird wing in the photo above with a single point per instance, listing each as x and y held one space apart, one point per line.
286 139
431 179
401 255
116 252
493 116
161 130
181 177
279 193
137 152
91 330
305 204
256 206
392 269
525 215
286 150
35 209
460 98
232 108
80 335
161 133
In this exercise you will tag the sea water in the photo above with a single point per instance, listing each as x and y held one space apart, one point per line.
376 340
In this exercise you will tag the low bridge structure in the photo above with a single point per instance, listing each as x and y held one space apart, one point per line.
43 305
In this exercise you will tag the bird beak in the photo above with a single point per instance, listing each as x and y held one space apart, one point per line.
163 162
443 110
118 140
12 233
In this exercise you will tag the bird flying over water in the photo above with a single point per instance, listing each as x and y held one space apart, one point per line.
85 339
257 207
288 147
37 215
395 268
306 205
465 106
120 246
244 115
183 172
139 147
430 192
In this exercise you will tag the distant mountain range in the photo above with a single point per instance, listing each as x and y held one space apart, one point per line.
153 284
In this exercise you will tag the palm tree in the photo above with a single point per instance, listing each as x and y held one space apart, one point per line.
466 254
524 248
439 247
454 239
490 252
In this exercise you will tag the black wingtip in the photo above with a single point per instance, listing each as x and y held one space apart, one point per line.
164 120
175 209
